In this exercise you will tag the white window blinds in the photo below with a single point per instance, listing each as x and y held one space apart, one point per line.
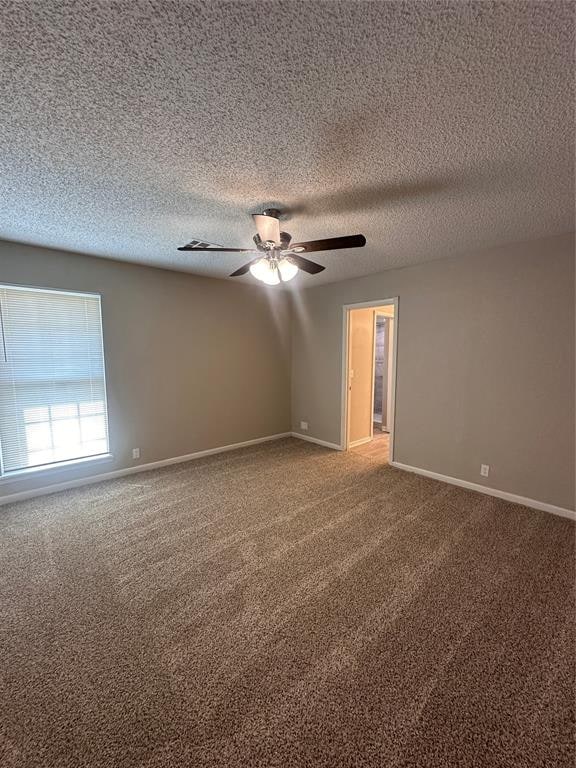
52 387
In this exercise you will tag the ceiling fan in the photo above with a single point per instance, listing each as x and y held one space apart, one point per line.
276 260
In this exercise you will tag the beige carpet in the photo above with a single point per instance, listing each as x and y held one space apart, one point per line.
284 605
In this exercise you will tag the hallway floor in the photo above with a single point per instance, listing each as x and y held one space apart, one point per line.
378 448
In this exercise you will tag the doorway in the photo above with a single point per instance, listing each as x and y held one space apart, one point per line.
369 378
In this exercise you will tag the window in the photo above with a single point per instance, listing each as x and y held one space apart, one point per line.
52 385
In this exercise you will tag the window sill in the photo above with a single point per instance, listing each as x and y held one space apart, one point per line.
44 470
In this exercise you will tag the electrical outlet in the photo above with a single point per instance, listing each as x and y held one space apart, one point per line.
304 426
484 470
135 453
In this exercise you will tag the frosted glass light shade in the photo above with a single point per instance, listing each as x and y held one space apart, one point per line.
288 269
260 268
266 271
271 277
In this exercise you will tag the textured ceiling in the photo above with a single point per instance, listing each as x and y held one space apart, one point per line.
434 128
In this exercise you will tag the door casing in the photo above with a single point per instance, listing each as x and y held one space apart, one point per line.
346 309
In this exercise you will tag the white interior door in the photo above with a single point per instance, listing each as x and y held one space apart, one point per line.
360 375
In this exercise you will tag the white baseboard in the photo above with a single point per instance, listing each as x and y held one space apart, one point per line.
309 439
54 487
526 502
62 486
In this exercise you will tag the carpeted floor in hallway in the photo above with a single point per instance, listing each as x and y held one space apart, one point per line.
284 605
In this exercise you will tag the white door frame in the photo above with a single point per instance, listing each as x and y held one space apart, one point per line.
346 308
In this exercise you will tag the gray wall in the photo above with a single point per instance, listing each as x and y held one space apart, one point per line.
485 361
485 365
191 363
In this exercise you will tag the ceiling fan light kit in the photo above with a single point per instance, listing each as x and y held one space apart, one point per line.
273 271
276 260
266 271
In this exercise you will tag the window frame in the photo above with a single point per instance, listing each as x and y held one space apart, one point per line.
59 466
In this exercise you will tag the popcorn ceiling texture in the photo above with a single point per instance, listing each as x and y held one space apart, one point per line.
284 606
434 128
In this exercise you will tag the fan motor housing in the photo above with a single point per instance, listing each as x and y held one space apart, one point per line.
270 245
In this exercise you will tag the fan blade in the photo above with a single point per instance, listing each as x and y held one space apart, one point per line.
350 241
217 250
244 268
268 227
305 264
